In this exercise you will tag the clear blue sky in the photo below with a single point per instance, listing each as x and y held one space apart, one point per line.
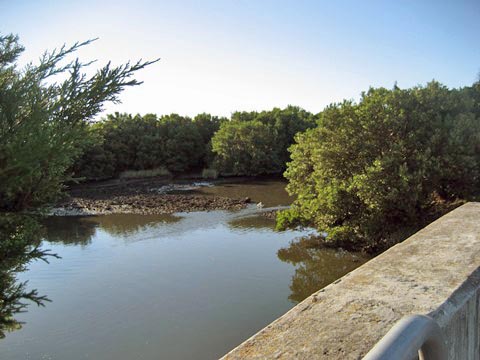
222 56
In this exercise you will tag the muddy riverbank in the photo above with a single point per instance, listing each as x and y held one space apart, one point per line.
147 196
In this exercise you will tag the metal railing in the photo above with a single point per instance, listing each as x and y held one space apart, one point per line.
416 336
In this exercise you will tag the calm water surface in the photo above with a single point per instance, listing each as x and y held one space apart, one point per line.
184 286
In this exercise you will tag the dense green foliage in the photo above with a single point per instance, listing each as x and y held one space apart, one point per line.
43 120
125 142
371 171
257 142
245 148
250 143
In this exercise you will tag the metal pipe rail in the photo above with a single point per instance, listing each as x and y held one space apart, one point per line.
416 336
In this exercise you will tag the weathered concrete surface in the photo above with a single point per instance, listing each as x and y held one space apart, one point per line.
435 272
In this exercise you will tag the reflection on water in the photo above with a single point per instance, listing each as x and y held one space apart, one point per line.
78 230
126 224
73 230
189 285
316 267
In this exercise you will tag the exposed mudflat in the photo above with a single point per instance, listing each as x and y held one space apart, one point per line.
149 196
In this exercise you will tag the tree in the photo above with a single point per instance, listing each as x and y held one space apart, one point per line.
370 172
279 127
44 115
182 143
207 125
43 119
245 148
96 162
285 124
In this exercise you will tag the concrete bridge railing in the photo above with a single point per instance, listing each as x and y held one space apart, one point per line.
435 272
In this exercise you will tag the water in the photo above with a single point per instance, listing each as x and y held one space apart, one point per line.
270 193
177 286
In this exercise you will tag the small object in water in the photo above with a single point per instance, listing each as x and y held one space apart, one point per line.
247 200
260 205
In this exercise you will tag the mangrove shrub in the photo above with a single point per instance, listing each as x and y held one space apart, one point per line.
371 171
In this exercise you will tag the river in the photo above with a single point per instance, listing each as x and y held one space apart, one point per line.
182 286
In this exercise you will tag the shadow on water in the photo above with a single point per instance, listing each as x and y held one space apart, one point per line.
316 266
19 246
128 224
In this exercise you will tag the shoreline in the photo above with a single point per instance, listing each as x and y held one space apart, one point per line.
155 204
144 196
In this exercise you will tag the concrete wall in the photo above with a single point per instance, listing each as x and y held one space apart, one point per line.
434 272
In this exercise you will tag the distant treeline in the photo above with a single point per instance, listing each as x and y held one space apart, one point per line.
249 143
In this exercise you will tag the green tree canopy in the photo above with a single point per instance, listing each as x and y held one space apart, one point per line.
44 109
124 142
370 171
245 148
278 127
